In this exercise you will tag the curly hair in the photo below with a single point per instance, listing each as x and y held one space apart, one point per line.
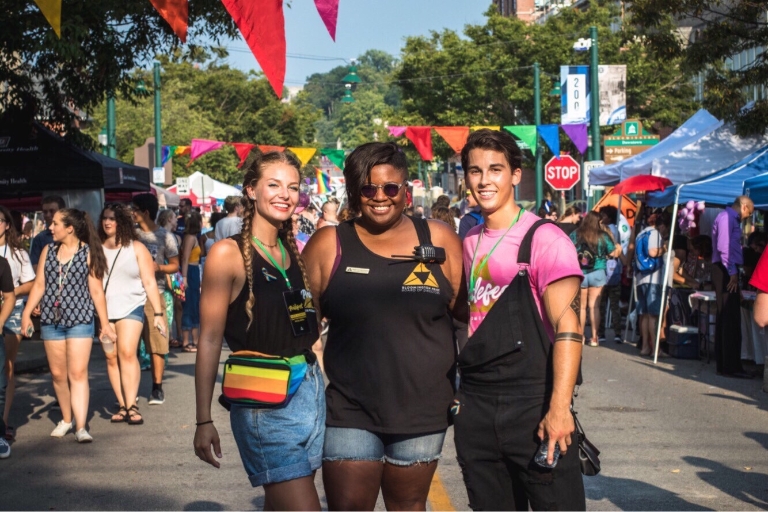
12 239
124 224
252 175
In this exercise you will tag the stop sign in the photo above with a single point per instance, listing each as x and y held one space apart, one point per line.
562 172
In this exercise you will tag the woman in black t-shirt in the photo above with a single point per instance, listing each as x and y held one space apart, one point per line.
250 280
390 349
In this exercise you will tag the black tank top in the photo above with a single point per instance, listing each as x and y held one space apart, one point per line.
389 355
270 332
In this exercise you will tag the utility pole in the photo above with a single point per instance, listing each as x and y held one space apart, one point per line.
111 135
158 130
594 108
537 121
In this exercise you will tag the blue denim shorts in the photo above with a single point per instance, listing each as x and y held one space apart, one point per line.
398 449
594 279
277 445
50 332
649 299
13 324
137 314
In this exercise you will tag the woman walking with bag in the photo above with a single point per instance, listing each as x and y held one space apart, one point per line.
190 271
69 288
128 284
23 275
255 294
594 245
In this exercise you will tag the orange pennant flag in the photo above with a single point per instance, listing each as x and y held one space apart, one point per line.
267 149
51 9
455 136
243 149
176 13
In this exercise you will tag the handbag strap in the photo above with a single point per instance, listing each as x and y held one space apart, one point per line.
109 276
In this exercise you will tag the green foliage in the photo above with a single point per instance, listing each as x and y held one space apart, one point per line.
101 43
702 34
208 102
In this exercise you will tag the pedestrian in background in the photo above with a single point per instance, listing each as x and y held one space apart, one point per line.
167 219
162 246
650 248
128 284
472 217
208 238
570 219
444 214
611 297
245 292
232 224
50 205
7 304
69 286
328 211
190 272
727 258
23 276
185 206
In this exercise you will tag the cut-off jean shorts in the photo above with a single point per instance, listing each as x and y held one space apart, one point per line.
137 314
51 332
353 444
13 324
277 445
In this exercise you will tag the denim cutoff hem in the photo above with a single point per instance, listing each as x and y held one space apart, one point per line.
137 314
51 332
13 324
353 444
286 443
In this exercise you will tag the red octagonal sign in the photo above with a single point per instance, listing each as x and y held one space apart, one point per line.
562 172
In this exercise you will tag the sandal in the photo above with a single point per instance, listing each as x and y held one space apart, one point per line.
594 343
175 344
190 348
120 416
10 432
133 412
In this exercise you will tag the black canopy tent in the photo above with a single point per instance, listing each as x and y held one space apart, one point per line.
43 162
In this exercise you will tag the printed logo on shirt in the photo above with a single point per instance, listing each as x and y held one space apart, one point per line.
486 293
308 304
421 280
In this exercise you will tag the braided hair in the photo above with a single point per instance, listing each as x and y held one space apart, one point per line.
252 175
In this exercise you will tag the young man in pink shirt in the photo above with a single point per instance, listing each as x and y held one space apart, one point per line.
522 360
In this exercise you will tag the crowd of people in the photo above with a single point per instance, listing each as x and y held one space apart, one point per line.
358 332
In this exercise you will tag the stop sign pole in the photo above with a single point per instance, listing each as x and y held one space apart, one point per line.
562 172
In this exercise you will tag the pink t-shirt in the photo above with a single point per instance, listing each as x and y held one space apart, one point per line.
553 257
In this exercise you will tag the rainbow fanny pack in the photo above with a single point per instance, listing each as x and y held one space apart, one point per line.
253 379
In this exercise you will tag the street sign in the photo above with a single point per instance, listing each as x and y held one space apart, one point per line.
630 139
158 175
589 166
562 172
182 186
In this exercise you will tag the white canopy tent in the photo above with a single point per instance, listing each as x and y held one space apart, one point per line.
699 125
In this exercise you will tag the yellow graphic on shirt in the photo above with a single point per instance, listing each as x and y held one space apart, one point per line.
421 276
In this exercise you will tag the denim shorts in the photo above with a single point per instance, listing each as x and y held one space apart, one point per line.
137 314
649 299
13 324
399 449
50 332
277 445
594 279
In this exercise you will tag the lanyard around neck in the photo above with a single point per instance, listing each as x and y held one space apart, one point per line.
474 271
63 279
280 268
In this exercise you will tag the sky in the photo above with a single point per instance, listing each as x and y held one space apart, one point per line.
362 25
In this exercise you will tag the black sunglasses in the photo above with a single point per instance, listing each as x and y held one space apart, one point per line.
390 189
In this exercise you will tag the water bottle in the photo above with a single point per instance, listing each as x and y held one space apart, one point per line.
107 344
541 455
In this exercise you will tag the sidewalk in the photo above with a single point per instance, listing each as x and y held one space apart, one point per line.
31 355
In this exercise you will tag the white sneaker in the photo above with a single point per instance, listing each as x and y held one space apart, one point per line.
61 429
83 436
5 449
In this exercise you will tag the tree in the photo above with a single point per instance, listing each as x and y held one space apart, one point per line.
703 35
101 44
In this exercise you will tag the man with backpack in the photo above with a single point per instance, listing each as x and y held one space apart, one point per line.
650 248
472 218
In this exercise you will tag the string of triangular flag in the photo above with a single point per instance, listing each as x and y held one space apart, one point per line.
199 147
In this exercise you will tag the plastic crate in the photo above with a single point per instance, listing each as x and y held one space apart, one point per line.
683 342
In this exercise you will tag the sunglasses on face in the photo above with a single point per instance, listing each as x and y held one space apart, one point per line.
370 190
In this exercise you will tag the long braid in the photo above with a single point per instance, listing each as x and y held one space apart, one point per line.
246 249
286 233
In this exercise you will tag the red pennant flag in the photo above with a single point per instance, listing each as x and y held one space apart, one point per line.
455 136
329 12
267 149
263 27
176 13
421 136
242 149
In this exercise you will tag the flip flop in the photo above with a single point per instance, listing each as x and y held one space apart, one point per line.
190 348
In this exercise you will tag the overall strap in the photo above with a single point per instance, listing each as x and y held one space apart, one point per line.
422 231
524 254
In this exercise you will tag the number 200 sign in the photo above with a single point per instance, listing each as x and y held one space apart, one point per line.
575 94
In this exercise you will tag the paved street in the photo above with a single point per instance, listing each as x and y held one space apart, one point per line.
673 437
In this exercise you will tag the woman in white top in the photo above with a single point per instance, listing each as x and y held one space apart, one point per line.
128 284
23 277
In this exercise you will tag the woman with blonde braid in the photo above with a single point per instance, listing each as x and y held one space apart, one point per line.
69 284
257 306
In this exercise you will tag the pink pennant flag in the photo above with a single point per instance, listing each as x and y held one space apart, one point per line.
421 136
329 12
242 149
203 146
396 131
578 134
263 26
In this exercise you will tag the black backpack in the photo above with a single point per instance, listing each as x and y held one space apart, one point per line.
587 256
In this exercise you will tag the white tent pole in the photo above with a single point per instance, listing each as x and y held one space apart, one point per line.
667 266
